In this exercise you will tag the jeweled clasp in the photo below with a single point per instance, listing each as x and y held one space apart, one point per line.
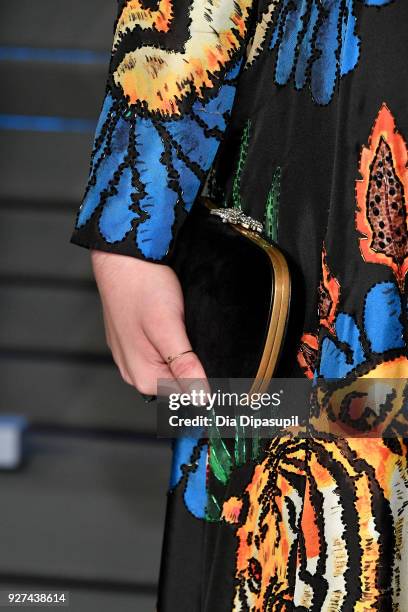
237 217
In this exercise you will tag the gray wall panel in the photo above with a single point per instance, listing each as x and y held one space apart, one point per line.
57 23
92 514
26 85
52 319
44 167
74 394
82 600
88 505
36 243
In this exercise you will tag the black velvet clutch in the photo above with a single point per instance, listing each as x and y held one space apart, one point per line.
236 289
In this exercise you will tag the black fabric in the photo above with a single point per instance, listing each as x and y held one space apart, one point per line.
181 580
348 318
316 144
318 149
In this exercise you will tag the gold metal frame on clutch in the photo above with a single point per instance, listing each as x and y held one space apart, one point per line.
279 308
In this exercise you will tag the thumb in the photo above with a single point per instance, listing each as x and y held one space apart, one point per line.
171 341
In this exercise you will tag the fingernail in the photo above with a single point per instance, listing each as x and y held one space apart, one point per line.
199 393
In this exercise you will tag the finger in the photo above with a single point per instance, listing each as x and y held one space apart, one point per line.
155 379
146 367
190 375
170 342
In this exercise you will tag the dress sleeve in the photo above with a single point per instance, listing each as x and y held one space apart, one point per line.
170 90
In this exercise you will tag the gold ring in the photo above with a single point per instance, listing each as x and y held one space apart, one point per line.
170 359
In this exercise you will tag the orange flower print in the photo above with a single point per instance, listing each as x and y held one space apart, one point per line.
381 217
329 294
307 354
161 78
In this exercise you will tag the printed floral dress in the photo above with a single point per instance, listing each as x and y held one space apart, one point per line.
296 111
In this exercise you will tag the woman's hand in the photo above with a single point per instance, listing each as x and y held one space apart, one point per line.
144 320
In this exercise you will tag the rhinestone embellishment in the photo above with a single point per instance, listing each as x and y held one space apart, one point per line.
237 217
